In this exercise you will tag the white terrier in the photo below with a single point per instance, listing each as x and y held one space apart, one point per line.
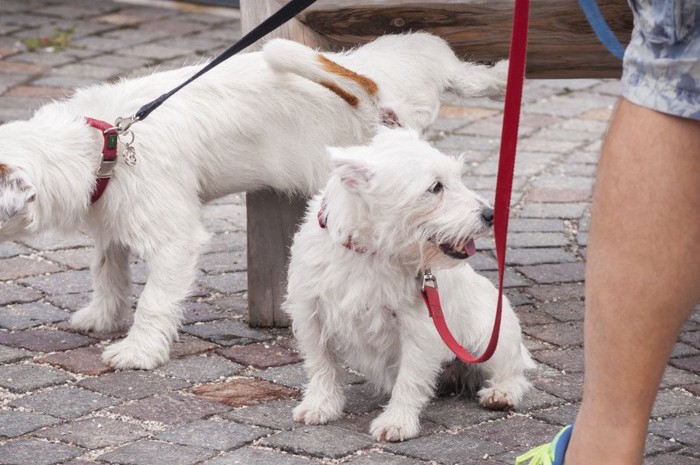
389 210
259 120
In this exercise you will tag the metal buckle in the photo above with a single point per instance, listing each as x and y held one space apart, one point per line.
106 168
122 125
428 279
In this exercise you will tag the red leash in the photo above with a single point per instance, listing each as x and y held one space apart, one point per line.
504 186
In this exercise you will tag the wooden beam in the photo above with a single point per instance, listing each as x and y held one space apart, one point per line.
561 44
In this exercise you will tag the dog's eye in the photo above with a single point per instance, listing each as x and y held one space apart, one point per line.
436 188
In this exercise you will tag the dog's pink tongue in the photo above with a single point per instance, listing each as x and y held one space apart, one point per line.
471 247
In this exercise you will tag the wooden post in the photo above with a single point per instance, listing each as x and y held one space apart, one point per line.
272 217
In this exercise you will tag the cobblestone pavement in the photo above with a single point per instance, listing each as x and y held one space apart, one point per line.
226 396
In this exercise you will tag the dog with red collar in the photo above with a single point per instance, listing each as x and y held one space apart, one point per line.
258 120
390 210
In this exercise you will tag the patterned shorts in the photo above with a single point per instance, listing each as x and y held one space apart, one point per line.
662 61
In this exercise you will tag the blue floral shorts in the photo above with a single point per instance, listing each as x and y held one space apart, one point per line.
662 61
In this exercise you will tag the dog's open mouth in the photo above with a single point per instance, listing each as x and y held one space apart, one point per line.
459 250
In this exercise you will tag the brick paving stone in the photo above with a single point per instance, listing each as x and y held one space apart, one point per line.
674 459
227 283
147 452
559 334
557 195
673 377
133 385
568 310
36 452
37 92
274 414
244 391
536 239
44 340
692 338
85 361
187 345
556 292
318 441
511 279
535 399
77 259
261 355
561 415
688 363
10 293
27 377
568 387
530 315
224 262
213 434
445 448
12 249
554 273
383 458
568 360
537 256
249 455
684 429
693 389
227 333
457 411
535 225
64 402
14 423
72 302
363 398
556 210
20 267
68 282
11 355
171 409
25 316
673 403
196 312
288 375
516 433
200 368
94 433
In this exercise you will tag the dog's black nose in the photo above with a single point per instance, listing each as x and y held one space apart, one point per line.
487 215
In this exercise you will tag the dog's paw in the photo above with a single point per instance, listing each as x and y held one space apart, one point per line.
316 413
124 355
494 398
392 427
91 318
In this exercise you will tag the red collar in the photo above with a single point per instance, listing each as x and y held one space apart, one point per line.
109 156
323 221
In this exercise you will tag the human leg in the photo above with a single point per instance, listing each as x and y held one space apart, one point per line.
642 277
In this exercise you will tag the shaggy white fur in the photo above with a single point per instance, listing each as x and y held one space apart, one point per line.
259 120
402 206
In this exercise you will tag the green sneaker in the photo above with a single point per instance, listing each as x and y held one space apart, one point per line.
548 454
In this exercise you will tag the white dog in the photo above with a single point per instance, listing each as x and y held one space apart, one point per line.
389 210
259 120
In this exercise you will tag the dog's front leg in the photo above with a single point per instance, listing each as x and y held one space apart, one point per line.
172 271
323 398
414 386
110 307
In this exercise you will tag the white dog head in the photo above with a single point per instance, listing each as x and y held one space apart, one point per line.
401 197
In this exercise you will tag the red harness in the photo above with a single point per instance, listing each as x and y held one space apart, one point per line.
109 156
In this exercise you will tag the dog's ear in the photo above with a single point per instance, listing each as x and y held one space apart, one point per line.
16 191
353 173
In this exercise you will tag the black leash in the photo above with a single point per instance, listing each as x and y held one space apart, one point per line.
284 14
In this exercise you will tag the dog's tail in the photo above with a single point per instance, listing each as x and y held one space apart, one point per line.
292 57
472 80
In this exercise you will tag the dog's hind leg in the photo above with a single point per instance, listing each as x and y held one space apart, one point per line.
172 271
323 398
110 307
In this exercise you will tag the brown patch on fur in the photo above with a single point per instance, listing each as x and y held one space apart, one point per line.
332 67
347 96
3 170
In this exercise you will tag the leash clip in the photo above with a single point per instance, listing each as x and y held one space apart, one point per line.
122 125
428 279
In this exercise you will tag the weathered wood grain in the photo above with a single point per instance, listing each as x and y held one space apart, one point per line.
561 44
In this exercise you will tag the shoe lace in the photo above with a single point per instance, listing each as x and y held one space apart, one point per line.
540 455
